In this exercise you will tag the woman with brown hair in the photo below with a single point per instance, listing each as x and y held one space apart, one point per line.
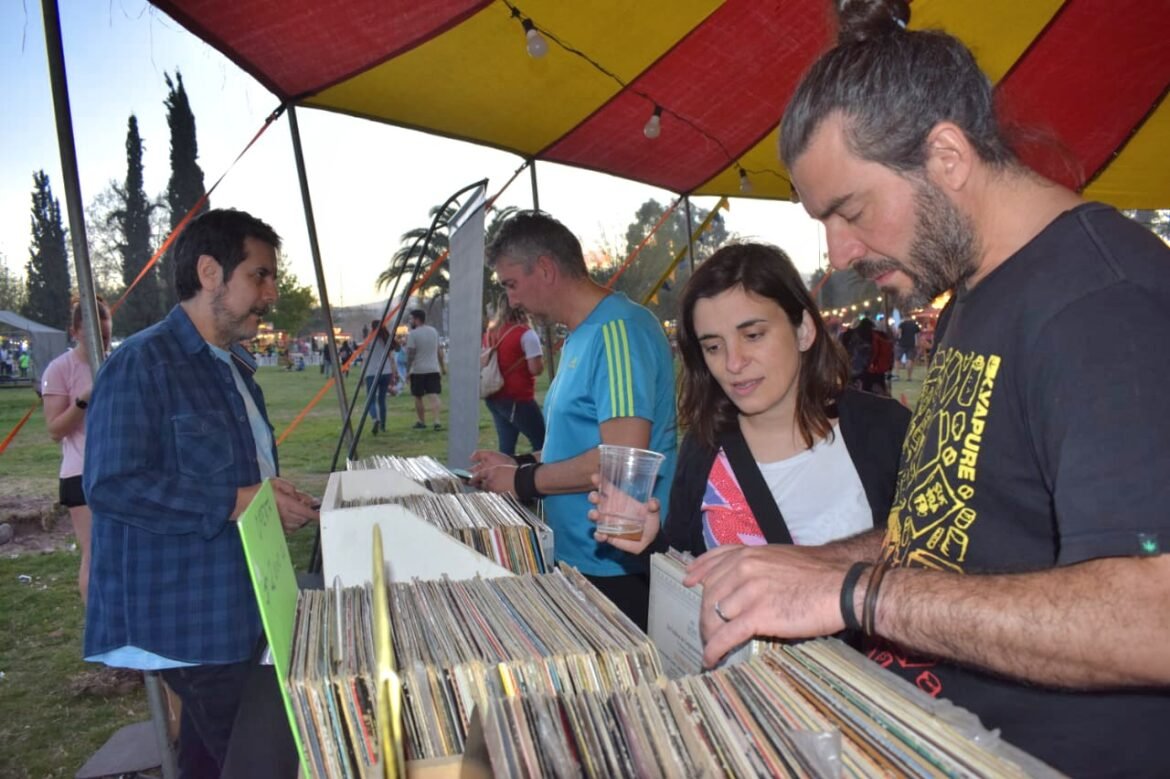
777 449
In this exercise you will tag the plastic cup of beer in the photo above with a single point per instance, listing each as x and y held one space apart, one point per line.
627 482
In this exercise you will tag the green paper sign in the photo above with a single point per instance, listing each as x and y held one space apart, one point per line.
275 584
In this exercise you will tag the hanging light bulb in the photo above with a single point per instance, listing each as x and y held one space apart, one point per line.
653 124
537 45
745 184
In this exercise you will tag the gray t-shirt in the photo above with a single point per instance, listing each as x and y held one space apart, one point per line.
422 349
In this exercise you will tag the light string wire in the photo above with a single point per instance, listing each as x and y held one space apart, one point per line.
732 160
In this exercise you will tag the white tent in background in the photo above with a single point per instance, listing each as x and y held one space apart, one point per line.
45 342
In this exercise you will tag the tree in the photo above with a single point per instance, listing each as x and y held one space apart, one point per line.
295 303
47 272
186 184
402 263
142 306
102 233
1156 221
845 288
657 255
12 291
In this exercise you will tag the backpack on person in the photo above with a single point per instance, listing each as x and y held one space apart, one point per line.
491 379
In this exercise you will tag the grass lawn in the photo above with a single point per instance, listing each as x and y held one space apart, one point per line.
49 726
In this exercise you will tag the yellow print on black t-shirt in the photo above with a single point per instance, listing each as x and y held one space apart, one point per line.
932 517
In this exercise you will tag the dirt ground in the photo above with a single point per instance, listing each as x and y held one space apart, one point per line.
38 523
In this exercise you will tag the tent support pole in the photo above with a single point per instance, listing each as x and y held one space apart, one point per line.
322 293
93 340
94 347
550 357
690 233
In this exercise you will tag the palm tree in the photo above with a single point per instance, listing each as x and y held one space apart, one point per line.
402 263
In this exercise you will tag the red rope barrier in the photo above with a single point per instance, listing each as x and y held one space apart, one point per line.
8 438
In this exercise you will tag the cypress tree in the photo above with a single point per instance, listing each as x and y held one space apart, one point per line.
142 306
47 272
186 184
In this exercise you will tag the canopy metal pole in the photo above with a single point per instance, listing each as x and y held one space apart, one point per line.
322 294
550 357
73 205
89 311
690 231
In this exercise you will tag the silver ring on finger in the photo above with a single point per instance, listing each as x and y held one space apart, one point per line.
719 613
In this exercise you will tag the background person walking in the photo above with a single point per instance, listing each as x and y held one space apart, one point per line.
425 366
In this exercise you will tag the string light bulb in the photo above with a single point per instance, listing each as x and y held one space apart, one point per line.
653 124
536 44
745 184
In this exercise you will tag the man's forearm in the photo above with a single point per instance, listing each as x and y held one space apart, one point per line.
1096 624
573 475
864 546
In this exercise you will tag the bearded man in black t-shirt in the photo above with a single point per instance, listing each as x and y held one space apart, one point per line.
1025 573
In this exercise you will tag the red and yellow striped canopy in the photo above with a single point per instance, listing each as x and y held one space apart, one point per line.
1090 76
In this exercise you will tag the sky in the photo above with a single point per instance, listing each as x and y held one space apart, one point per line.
368 182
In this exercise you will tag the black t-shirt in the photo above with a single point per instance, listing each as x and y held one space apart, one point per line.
908 333
1040 441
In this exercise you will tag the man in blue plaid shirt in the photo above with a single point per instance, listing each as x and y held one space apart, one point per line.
178 444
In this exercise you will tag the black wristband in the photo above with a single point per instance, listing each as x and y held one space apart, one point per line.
525 459
848 587
525 482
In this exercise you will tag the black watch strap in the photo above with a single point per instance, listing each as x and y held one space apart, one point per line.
81 404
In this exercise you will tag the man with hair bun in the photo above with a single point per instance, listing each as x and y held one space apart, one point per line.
1024 573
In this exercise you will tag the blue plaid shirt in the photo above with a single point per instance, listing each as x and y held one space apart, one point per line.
167 445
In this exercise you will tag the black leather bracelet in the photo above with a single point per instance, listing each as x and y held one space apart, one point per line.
525 459
869 608
525 482
848 587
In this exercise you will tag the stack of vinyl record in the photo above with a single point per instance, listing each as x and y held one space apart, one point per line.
456 646
462 643
496 526
423 470
814 709
332 683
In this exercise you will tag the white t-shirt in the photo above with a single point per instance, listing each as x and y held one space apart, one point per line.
819 493
530 343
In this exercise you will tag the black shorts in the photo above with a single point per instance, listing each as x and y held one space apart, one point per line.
425 384
69 492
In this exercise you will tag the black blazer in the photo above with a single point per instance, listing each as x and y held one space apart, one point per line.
873 428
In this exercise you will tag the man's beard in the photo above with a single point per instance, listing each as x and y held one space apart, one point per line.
232 328
943 254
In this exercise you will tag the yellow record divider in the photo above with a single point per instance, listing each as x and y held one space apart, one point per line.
389 685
